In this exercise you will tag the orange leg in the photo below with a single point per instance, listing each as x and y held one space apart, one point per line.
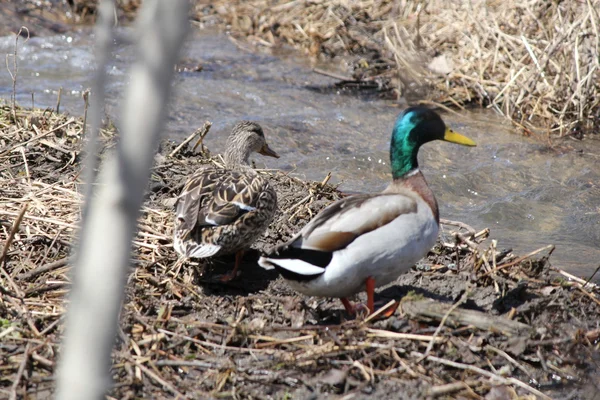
238 260
370 283
370 287
348 306
353 309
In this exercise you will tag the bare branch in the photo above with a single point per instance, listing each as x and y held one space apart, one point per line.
104 38
105 245
13 73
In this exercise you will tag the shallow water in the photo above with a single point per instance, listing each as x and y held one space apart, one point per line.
528 196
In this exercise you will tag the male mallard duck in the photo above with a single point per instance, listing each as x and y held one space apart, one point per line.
370 239
223 211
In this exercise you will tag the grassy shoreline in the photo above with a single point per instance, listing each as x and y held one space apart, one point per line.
521 327
535 62
533 330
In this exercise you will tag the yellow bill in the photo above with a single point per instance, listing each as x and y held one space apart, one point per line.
451 136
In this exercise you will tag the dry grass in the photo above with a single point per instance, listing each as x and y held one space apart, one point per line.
182 334
529 332
536 62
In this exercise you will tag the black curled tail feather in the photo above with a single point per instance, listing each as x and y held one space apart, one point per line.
314 257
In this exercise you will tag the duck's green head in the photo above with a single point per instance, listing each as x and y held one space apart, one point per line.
415 127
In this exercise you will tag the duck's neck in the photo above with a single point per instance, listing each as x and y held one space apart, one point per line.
403 155
415 181
236 157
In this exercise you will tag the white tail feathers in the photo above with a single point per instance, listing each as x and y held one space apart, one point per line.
195 250
293 265
266 263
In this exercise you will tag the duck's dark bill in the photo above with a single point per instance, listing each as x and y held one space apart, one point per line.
267 151
451 136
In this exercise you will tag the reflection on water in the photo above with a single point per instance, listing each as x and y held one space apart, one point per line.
511 184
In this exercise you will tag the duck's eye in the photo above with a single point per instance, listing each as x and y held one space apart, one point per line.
259 132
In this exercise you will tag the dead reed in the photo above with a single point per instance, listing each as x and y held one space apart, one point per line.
534 61
528 331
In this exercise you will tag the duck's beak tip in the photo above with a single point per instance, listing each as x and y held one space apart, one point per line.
267 151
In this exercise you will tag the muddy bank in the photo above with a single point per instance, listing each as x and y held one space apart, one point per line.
518 328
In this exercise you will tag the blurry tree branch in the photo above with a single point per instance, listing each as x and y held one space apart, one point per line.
108 227
104 39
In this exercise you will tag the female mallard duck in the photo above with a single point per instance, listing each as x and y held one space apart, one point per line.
224 210
370 239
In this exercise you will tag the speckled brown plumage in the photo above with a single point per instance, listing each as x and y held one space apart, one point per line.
224 210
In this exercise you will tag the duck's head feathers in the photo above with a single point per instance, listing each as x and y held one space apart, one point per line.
415 127
245 138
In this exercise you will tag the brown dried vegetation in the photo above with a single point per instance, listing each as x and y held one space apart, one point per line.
536 62
511 327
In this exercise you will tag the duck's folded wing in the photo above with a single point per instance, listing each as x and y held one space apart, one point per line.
310 251
192 197
233 196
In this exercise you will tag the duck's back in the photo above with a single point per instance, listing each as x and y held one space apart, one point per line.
222 211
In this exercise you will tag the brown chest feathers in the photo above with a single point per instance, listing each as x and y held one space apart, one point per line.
416 182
